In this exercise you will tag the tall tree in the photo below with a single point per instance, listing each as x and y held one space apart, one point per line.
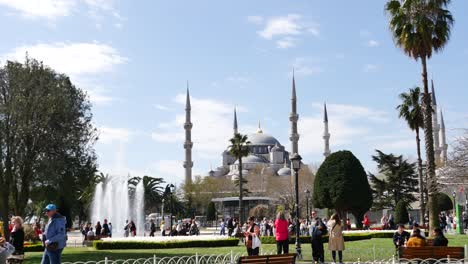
153 191
411 111
239 149
341 184
398 181
419 28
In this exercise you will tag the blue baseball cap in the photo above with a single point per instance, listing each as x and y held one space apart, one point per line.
50 207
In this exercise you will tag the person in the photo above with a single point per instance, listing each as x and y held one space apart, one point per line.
465 220
230 226
126 229
98 229
318 253
348 224
281 234
17 235
366 222
110 229
152 228
335 238
410 221
37 231
163 228
194 229
105 228
6 249
132 229
439 239
391 222
314 220
54 237
252 231
173 231
384 222
416 226
416 240
222 225
90 234
400 237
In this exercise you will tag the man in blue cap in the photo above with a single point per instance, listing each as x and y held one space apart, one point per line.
54 237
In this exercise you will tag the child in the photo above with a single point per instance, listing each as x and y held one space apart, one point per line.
317 243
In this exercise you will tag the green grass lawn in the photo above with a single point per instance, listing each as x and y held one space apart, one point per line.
366 250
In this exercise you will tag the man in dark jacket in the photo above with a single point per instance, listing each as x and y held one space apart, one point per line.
439 238
54 237
400 236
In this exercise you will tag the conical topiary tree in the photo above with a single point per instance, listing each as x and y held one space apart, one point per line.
401 213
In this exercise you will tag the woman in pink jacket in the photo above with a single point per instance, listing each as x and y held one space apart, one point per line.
281 234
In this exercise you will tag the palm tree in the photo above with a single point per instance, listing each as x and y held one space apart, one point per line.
419 28
239 149
410 110
153 190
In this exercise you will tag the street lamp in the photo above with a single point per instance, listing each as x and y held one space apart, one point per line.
307 192
454 195
296 165
172 188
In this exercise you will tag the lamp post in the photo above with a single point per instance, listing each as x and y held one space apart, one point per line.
162 210
454 195
172 189
296 165
307 192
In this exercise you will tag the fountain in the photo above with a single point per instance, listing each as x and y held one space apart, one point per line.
112 201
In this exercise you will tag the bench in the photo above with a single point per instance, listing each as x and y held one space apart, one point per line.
13 259
269 259
432 252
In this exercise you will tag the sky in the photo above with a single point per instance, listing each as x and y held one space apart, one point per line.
134 59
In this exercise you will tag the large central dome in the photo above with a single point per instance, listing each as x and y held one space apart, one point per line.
261 139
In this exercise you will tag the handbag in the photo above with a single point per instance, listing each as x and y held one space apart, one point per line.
52 246
256 243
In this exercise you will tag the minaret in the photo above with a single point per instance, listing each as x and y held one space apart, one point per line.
188 144
235 122
435 124
293 117
443 141
326 133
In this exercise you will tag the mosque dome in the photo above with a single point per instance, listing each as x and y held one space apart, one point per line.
253 159
262 139
284 171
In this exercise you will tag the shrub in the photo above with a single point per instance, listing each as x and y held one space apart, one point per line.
229 242
401 213
35 247
306 239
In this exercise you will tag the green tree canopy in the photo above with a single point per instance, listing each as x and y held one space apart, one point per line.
341 184
401 212
239 148
443 202
397 180
211 212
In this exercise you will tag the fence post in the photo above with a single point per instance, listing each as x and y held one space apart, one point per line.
232 256
154 259
448 258
196 258
106 261
466 253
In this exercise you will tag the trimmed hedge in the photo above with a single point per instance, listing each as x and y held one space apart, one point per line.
33 248
100 245
307 239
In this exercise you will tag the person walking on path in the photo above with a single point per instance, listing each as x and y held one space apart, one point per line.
281 234
251 232
317 233
222 225
335 238
152 228
54 237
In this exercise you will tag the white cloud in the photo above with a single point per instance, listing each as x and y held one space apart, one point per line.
371 67
109 135
306 66
171 170
81 61
286 42
278 26
162 107
212 126
71 58
373 43
257 20
54 9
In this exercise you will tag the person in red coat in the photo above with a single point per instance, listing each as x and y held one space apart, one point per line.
281 234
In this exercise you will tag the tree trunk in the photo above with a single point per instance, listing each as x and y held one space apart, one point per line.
421 182
241 203
429 144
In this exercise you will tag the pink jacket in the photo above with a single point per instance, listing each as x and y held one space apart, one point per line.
281 227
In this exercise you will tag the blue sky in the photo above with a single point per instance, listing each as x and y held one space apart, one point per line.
134 58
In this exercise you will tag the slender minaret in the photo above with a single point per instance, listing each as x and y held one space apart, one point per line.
236 130
188 144
443 141
326 133
293 117
435 124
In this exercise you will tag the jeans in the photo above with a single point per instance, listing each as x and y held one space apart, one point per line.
253 251
52 257
340 256
282 246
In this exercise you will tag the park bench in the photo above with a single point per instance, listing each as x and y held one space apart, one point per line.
430 252
14 259
269 259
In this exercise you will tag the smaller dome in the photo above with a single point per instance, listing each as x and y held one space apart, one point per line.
253 159
284 171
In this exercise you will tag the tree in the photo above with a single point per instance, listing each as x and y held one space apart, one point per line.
341 184
153 191
411 111
398 181
46 139
401 213
211 212
456 169
419 28
239 149
443 202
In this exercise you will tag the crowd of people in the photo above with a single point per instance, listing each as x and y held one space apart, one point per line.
181 228
99 231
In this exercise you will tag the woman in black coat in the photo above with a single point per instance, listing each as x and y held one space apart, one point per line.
17 235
